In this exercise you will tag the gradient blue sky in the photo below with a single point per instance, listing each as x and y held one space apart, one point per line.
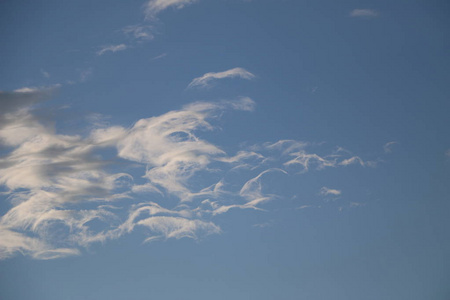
224 149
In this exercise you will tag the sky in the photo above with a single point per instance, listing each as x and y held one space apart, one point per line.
224 149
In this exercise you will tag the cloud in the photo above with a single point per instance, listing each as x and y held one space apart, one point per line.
51 177
12 242
85 74
139 32
352 160
68 191
264 225
207 78
364 13
176 227
304 207
112 48
45 73
159 56
153 7
324 191
388 147
356 204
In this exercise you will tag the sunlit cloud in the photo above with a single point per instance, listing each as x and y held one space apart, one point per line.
66 192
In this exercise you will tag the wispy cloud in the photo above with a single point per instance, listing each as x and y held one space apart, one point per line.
304 207
153 7
324 191
112 48
359 161
159 56
85 74
139 32
45 73
265 224
364 13
207 78
58 185
357 204
388 147
51 178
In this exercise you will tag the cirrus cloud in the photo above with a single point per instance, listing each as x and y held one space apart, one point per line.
206 79
66 191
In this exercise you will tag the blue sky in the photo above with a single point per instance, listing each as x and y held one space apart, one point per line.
224 149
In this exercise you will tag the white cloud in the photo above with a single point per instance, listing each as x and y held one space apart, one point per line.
59 185
86 74
206 79
176 227
159 56
304 207
112 48
139 32
46 173
12 242
45 73
265 224
324 191
153 7
352 160
364 13
356 204
388 147
357 160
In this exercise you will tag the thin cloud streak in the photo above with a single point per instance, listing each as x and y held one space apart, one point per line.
207 78
154 7
364 13
159 56
112 48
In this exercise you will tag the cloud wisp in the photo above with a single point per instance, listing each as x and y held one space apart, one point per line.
139 33
364 13
388 147
111 48
324 191
154 7
67 192
207 78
